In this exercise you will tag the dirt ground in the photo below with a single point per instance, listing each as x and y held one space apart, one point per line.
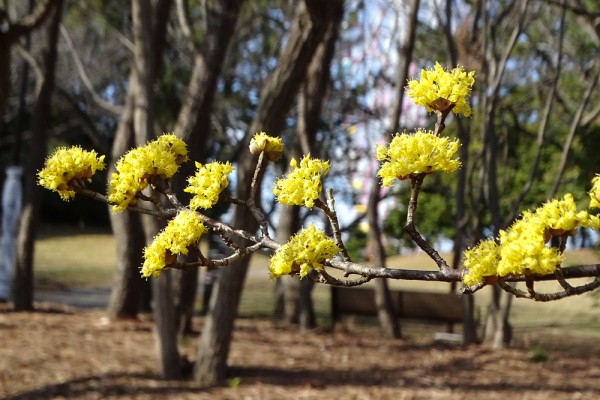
66 353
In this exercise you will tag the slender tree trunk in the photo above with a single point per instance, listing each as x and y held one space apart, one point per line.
460 219
193 123
276 99
149 24
23 283
489 176
288 287
388 321
127 288
294 298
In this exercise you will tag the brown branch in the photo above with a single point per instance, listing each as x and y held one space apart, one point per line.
251 202
410 228
572 130
330 280
32 21
329 211
369 272
85 79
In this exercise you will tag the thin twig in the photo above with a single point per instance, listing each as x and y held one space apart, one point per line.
368 272
330 280
329 211
416 183
251 202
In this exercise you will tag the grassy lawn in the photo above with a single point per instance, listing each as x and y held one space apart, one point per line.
73 259
69 258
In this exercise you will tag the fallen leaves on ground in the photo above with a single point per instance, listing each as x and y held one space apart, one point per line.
57 352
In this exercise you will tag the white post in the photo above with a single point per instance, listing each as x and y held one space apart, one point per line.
12 196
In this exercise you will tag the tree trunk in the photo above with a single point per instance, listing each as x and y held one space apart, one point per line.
288 287
11 33
390 325
23 284
129 290
193 123
498 330
149 28
460 219
126 294
294 298
275 101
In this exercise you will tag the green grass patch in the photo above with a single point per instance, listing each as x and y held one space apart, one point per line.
68 258
74 260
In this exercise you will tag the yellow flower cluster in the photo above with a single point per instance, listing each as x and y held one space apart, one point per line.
67 165
561 217
159 158
481 261
308 249
208 183
272 146
439 90
595 192
522 248
412 154
301 187
182 232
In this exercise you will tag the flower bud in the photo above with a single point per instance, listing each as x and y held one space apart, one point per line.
271 146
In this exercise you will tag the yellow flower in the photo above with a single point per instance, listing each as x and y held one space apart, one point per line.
157 159
523 249
302 185
562 218
172 144
308 249
182 232
208 183
439 89
66 166
595 192
272 146
412 154
481 262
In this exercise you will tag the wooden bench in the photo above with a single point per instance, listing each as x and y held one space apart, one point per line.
428 306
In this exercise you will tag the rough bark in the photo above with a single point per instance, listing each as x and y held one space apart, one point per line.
276 99
23 283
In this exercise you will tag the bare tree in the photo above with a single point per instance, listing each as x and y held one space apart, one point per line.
276 98
385 309
194 119
23 280
10 34
295 295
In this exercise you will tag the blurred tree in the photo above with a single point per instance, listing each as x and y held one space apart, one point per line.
385 309
23 279
10 34
294 294
307 31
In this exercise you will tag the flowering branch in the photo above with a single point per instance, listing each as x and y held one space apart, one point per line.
519 254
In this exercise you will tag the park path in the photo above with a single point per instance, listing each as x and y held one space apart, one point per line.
88 298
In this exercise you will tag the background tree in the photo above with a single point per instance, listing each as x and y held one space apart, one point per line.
23 280
308 28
